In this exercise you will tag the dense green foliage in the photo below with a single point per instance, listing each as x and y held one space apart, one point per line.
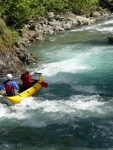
17 12
82 6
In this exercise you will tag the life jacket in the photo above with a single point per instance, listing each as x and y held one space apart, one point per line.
9 88
27 81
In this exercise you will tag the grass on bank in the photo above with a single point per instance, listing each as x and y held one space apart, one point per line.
7 36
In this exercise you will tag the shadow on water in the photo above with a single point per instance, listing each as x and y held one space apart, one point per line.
89 133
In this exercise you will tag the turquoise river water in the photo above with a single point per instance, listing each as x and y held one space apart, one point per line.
76 111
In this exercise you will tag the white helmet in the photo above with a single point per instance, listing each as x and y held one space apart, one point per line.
27 70
9 76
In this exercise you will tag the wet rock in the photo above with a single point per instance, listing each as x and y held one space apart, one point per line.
51 15
67 26
13 60
96 14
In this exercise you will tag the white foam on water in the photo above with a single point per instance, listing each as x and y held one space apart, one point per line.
107 22
70 66
18 111
85 28
67 110
4 110
107 29
22 114
38 112
93 29
98 27
82 61
75 103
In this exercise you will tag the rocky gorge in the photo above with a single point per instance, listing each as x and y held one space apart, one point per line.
13 60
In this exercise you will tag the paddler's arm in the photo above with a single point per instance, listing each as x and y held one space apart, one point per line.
2 86
2 90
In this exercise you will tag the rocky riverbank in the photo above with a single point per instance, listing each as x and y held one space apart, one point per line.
34 30
12 61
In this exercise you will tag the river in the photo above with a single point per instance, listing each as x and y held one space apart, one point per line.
76 111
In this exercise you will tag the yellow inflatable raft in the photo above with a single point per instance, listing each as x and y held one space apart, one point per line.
12 100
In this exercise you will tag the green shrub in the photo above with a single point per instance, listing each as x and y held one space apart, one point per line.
55 5
82 5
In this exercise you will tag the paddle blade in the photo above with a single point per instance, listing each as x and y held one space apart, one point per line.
44 84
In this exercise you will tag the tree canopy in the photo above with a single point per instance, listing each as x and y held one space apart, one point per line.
17 12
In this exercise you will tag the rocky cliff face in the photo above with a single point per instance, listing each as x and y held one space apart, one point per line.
13 60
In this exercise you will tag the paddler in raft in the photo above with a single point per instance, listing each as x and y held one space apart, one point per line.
9 85
27 80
